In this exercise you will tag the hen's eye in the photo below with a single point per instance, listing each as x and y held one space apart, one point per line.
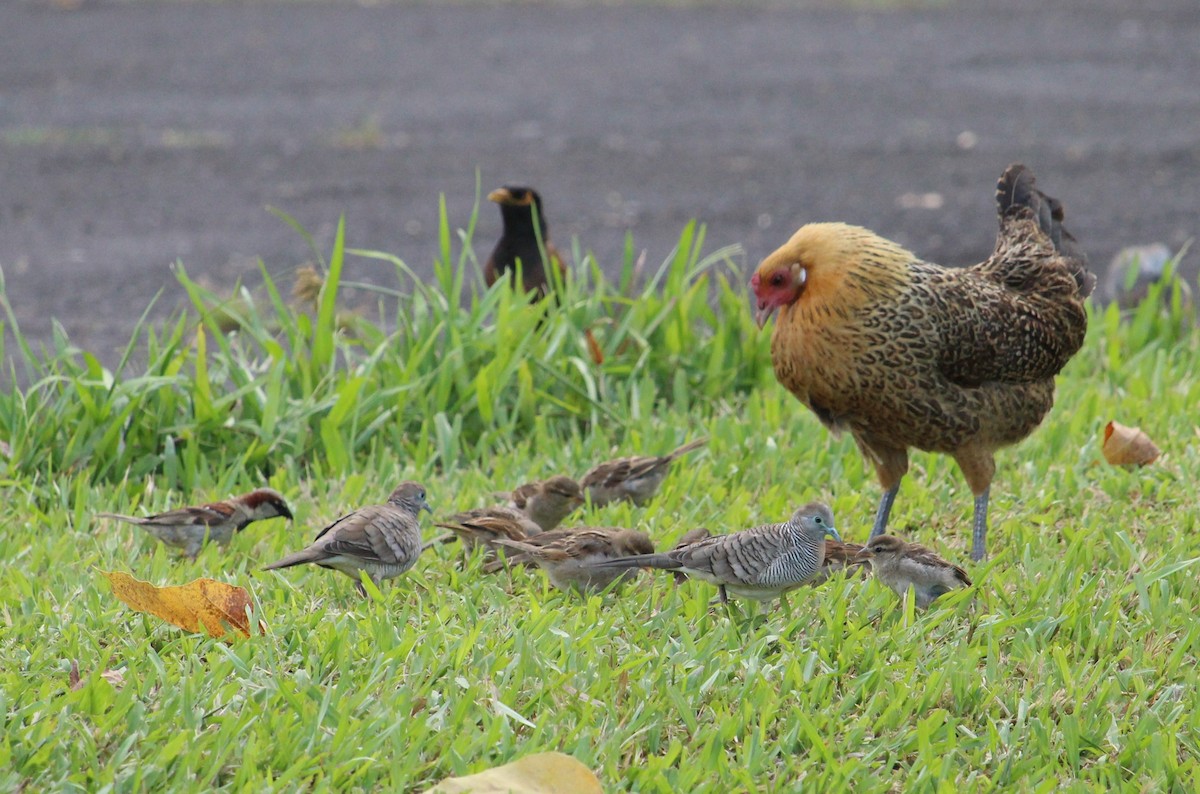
777 279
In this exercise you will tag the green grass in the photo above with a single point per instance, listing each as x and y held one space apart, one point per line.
1070 666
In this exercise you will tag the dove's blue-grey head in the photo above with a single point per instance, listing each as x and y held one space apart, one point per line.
410 496
815 519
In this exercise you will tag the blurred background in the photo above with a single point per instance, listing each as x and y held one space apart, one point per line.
136 133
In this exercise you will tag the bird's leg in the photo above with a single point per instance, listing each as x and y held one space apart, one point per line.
979 533
978 466
723 594
890 466
358 585
885 509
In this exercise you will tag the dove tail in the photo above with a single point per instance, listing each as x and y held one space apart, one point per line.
298 558
662 561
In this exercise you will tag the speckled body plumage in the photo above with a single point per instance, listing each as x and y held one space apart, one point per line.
904 353
548 502
635 479
568 555
188 528
903 566
482 525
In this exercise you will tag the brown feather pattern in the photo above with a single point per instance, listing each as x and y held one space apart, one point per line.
904 353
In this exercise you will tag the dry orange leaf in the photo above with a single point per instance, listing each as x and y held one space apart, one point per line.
593 347
541 773
204 602
1128 446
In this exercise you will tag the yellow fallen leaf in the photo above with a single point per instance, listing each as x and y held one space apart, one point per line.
204 602
541 773
1128 446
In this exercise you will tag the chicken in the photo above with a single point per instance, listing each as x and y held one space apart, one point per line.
524 238
903 353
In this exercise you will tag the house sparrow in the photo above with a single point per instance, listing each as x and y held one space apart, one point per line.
901 565
635 479
548 502
187 528
567 555
383 540
760 563
687 539
483 525
839 556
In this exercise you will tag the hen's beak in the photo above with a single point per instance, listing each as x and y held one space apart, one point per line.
864 554
763 313
500 196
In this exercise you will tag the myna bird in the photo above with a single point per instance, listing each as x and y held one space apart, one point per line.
524 238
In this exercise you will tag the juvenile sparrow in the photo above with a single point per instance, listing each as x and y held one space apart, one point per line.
189 527
901 565
761 563
484 525
839 556
567 555
548 502
383 540
635 479
686 539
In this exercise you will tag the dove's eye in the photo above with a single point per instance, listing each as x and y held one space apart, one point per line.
819 520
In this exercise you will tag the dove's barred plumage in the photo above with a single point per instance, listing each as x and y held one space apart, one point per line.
761 563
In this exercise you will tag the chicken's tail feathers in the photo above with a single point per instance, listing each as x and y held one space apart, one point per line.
296 558
1017 190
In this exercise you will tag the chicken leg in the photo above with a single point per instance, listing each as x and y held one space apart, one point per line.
885 510
979 533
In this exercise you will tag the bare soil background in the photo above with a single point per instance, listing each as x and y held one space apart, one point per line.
134 134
